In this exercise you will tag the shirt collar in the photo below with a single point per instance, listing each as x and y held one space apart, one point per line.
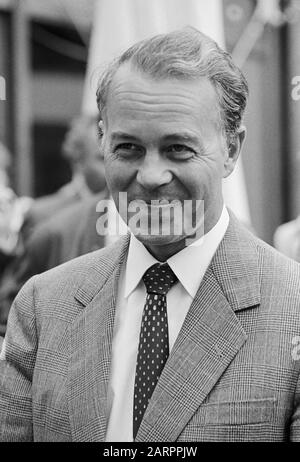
189 265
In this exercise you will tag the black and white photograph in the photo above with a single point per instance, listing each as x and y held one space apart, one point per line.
149 224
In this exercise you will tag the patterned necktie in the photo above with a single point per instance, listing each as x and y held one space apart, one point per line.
153 349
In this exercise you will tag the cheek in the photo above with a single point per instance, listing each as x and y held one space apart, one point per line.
201 179
117 175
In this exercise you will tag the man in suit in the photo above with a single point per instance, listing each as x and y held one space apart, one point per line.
80 148
60 230
163 336
13 210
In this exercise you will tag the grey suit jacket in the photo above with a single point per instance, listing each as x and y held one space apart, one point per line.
232 374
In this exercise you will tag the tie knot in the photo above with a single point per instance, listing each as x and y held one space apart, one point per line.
159 279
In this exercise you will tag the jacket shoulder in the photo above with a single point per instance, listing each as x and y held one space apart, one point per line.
54 294
78 269
272 259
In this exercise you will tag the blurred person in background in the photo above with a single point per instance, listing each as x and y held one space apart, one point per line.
66 224
81 149
12 212
287 239
5 163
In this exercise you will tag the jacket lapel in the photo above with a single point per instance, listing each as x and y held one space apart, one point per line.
210 337
90 346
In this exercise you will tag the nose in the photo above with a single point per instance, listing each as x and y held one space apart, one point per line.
153 172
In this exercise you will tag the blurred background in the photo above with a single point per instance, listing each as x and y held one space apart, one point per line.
50 51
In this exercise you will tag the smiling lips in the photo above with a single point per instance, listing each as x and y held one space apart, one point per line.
159 202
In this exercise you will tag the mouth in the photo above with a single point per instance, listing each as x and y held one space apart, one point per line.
158 202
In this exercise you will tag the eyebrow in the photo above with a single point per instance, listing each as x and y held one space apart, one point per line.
124 136
186 136
181 136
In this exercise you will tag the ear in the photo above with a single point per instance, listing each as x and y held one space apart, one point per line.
101 138
234 150
101 132
100 129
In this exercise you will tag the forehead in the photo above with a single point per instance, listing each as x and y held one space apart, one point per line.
135 96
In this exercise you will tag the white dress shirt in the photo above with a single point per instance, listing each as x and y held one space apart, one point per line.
189 265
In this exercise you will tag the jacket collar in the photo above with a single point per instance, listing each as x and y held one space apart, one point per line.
90 343
111 259
236 266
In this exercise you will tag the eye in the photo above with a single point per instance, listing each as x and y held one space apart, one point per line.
177 148
128 149
180 151
126 146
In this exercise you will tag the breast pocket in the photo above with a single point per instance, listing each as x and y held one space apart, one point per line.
236 413
232 421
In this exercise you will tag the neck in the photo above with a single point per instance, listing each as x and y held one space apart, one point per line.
162 252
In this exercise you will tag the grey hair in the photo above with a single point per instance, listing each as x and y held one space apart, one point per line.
187 54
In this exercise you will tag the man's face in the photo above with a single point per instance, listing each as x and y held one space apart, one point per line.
163 141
